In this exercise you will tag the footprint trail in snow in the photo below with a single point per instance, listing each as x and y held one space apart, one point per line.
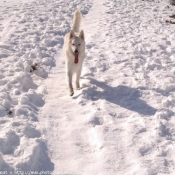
120 122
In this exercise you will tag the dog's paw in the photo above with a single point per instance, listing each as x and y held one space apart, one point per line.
79 88
71 93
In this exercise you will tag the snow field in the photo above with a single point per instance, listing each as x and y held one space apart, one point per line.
31 33
116 137
131 76
121 122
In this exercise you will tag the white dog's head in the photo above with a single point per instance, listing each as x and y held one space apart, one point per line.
77 43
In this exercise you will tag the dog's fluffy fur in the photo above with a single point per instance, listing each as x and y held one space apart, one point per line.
74 50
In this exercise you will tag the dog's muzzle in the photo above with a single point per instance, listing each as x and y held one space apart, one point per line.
76 51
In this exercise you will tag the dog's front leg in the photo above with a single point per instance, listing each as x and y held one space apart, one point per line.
77 82
69 80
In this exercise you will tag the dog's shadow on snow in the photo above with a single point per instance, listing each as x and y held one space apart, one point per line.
121 95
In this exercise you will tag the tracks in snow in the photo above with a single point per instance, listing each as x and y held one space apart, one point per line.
114 125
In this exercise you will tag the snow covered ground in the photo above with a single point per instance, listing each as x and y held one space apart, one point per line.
121 122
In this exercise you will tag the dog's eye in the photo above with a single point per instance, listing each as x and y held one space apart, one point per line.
73 44
79 44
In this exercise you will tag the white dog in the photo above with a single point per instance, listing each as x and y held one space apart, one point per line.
74 49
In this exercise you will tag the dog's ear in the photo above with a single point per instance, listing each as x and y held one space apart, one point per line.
71 34
81 35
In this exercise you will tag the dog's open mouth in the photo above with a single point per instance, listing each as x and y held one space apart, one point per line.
76 58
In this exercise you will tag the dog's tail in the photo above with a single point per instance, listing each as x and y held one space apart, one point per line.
76 21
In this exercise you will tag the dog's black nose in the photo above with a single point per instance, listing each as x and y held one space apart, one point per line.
76 51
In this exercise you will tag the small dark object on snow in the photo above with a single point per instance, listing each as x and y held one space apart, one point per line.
172 2
10 112
34 67
172 16
171 22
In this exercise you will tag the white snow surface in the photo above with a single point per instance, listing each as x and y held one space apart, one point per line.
122 120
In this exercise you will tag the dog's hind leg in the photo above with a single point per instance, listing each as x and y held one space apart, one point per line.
69 80
77 82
